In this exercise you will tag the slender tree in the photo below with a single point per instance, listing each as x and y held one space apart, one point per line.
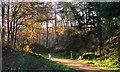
8 36
3 25
47 33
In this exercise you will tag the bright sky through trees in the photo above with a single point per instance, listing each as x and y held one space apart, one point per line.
86 30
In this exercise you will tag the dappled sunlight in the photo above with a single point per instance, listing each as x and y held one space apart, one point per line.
77 64
60 35
27 49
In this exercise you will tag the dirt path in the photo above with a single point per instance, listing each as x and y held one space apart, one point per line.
78 65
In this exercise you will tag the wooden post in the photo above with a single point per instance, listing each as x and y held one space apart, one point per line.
71 55
49 56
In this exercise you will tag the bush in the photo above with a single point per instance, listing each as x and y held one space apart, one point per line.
36 47
90 56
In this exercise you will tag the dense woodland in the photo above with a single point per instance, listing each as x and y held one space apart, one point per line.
77 27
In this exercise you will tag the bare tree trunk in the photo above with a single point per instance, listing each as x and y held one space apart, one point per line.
100 39
8 37
12 23
13 30
10 29
67 17
33 34
47 34
55 27
77 17
38 38
71 22
3 26
15 40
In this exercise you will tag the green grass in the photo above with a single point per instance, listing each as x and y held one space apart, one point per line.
57 54
30 62
104 63
109 63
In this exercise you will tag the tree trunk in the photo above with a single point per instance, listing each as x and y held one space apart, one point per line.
13 30
76 15
3 26
71 22
12 24
100 39
47 34
15 40
55 21
10 29
8 37
55 27
66 12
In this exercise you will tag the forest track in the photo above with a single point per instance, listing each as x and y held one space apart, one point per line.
80 66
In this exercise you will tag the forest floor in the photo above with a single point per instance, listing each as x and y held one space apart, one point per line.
14 61
79 65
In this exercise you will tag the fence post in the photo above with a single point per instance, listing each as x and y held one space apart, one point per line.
49 56
71 55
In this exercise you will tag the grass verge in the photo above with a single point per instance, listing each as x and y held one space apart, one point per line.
16 61
54 53
101 62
